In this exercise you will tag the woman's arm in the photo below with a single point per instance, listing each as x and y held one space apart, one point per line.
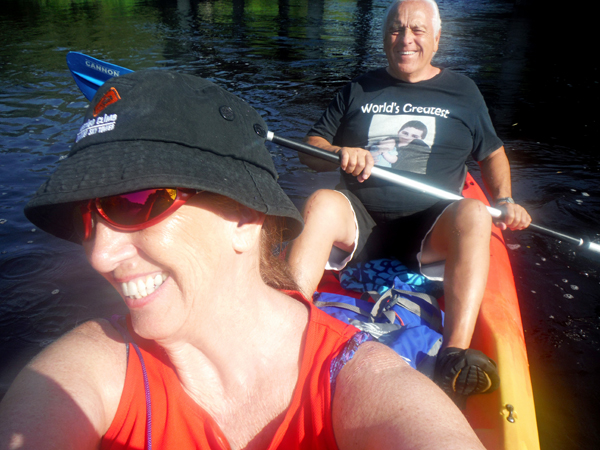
67 396
381 402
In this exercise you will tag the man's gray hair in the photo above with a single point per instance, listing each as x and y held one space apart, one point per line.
437 21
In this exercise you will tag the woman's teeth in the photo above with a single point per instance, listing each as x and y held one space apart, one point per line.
143 286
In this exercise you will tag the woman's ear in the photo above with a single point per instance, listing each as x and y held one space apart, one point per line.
246 235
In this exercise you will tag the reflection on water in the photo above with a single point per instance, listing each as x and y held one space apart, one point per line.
287 58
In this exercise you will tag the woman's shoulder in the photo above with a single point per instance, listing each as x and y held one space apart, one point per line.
95 329
93 355
378 391
69 393
95 346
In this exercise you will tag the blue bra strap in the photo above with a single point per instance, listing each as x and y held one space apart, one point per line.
114 320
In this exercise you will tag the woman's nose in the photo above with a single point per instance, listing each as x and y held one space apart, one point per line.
109 247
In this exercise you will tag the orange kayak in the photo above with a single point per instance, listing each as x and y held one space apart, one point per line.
504 419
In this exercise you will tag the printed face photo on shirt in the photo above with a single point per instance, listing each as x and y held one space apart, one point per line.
413 137
411 131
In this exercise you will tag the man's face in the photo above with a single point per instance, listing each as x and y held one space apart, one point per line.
410 42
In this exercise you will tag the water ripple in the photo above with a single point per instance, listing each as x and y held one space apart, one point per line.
28 265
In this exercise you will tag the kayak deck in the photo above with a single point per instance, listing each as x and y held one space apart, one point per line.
504 419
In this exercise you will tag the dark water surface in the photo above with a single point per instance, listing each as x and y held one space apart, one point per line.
287 59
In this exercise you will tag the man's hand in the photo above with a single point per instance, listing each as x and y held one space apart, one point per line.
353 160
514 216
495 170
356 161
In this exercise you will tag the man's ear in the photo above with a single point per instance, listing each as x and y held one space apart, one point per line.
246 235
436 41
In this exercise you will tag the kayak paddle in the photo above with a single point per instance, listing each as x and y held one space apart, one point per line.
91 73
400 180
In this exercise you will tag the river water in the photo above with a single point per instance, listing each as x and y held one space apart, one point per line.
287 59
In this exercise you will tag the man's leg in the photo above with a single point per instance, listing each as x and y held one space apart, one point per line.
328 221
461 236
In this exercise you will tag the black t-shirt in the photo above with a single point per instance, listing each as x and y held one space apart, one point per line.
425 130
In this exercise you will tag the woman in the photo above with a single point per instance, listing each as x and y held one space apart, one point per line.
213 354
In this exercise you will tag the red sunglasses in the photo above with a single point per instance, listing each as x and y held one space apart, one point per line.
132 211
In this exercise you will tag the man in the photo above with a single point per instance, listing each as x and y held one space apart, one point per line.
367 218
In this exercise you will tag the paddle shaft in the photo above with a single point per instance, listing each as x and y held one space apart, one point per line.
395 178
377 172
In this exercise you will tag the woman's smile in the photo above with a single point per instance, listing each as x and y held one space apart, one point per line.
142 286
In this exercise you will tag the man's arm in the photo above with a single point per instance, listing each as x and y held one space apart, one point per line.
68 395
354 160
381 402
495 170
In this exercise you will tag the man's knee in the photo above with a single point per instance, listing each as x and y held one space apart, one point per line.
470 215
326 204
331 213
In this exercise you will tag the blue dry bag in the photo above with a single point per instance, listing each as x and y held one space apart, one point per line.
409 322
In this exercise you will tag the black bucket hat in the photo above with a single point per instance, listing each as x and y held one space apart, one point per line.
152 129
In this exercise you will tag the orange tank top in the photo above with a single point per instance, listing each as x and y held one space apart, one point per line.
177 422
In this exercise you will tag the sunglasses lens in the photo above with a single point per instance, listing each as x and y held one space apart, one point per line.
138 207
82 221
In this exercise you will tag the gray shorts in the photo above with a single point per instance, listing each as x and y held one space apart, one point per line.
389 234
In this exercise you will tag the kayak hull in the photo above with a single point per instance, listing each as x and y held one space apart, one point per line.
504 419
